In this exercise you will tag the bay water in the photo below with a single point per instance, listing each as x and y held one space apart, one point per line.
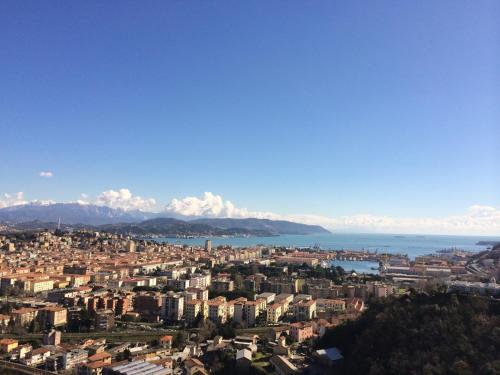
410 244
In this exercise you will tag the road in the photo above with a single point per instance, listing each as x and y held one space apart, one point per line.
123 336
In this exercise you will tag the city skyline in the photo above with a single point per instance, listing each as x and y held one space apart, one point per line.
249 187
362 117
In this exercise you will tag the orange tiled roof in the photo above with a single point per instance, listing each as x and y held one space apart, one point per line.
99 357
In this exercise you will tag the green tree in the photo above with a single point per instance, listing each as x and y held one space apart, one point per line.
34 326
179 340
238 281
434 333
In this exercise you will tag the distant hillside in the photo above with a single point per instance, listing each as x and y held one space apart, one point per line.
78 216
272 226
70 213
173 227
493 253
488 243
421 334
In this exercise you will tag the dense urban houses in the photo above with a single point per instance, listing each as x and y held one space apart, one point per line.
158 308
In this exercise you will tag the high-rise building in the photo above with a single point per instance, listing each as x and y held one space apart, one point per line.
217 310
208 246
104 320
130 247
173 306
52 337
195 309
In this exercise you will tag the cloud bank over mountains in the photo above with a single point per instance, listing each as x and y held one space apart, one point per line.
124 199
12 199
17 199
211 205
477 219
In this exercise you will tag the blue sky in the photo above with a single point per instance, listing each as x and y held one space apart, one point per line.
329 108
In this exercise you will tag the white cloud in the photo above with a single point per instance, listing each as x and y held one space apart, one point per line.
12 199
18 199
485 222
478 220
84 199
47 174
124 199
211 205
121 198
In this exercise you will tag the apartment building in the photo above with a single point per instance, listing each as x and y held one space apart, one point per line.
7 282
53 316
276 311
222 286
254 282
230 308
24 316
335 305
269 297
72 358
79 280
377 289
104 320
301 331
195 309
281 285
284 297
4 321
179 284
296 260
305 310
217 310
246 312
149 305
201 293
8 345
41 285
173 306
198 280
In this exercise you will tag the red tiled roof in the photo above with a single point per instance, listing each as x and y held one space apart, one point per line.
7 341
99 357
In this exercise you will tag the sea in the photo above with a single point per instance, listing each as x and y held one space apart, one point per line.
410 244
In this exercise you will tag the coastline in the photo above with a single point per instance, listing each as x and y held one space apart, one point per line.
412 245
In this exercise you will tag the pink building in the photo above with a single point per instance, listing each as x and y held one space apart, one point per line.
301 331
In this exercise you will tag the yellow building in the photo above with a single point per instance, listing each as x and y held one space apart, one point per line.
194 309
230 310
262 302
53 315
41 285
305 310
336 305
78 280
252 311
8 345
275 312
217 310
61 284
24 316
4 320
296 260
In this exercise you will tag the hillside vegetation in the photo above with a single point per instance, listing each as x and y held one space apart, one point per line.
421 334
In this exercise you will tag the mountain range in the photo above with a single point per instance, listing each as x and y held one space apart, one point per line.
70 213
102 218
